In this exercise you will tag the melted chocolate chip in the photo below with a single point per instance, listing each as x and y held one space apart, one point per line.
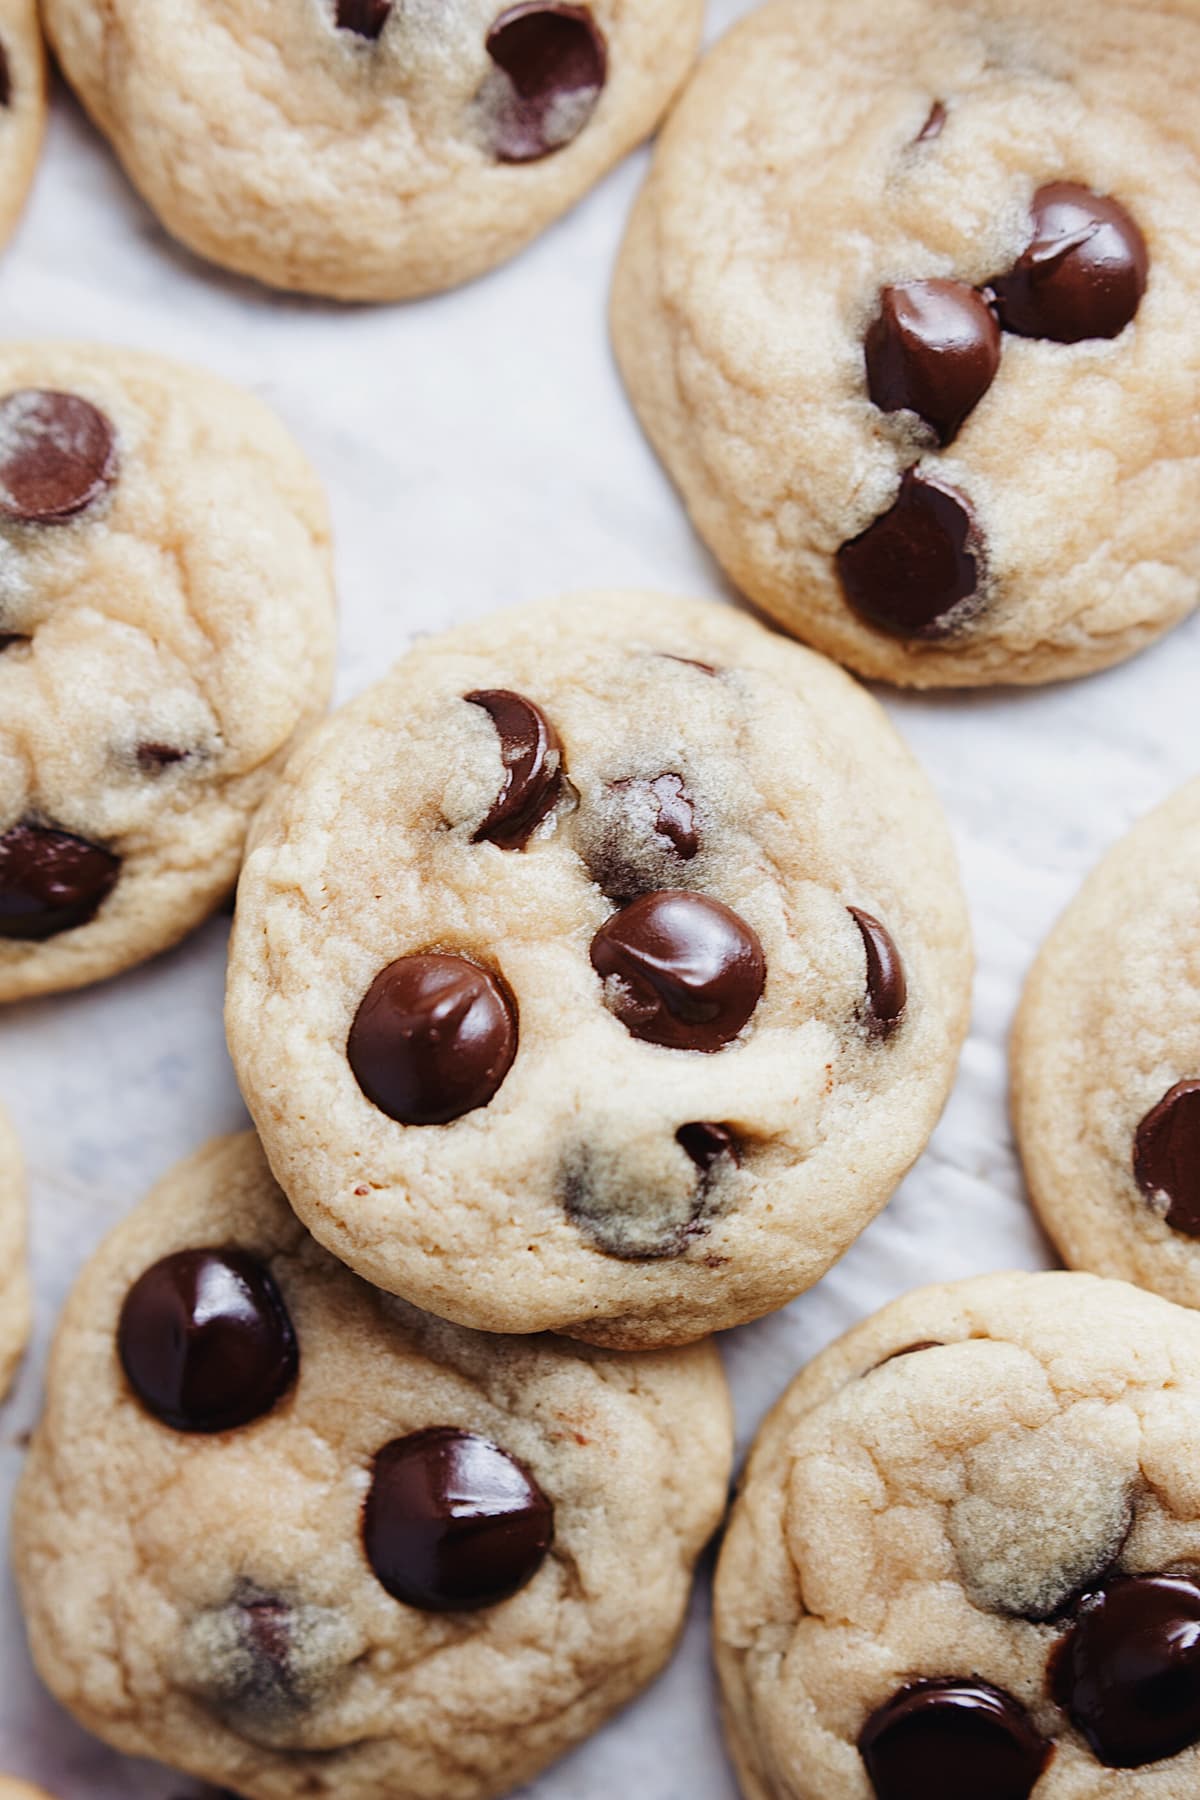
707 1144
206 1341
51 881
58 456
887 988
947 1739
366 17
1083 272
934 125
433 1039
556 63
934 350
680 970
914 570
533 768
1128 1672
667 807
454 1523
1166 1157
5 78
153 758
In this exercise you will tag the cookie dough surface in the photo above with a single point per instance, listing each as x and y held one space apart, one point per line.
829 149
929 1501
22 106
364 150
624 1189
207 1599
166 628
1109 1027
14 1282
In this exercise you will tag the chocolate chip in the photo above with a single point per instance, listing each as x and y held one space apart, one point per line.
433 1039
1083 272
934 125
934 350
366 17
913 572
10 638
51 881
887 987
1166 1157
667 808
153 758
680 970
58 456
555 62
707 1145
1128 1673
206 1340
533 768
454 1523
945 1739
5 78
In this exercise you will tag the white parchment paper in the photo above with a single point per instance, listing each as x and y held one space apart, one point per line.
480 451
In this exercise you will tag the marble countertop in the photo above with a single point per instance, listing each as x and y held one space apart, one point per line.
480 451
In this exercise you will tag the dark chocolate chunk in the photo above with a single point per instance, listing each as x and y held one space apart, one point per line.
1166 1157
707 1144
533 768
680 969
1128 1672
51 881
433 1039
933 350
887 988
206 1341
453 1522
950 1739
1083 272
555 62
914 571
9 638
58 456
366 17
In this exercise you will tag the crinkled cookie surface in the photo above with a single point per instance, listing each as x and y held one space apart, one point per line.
14 1282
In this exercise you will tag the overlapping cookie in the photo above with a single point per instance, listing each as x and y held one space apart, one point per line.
370 149
907 308
965 1559
22 106
1106 1062
601 970
166 627
289 1535
14 1282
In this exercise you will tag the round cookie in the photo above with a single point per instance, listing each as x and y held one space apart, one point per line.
166 628
601 970
907 308
367 150
14 1281
289 1535
1106 1062
22 106
965 1558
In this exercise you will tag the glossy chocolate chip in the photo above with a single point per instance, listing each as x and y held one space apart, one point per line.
950 1740
1128 1672
556 63
366 17
1083 272
58 456
914 571
533 768
680 970
667 809
933 350
935 124
707 1144
887 988
433 1039
206 1341
51 881
1166 1157
454 1523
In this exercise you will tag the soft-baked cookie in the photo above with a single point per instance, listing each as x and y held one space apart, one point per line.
601 970
288 1534
366 149
166 627
908 308
965 1559
22 106
14 1281
1106 1062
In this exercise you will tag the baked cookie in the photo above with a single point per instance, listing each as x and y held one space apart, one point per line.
965 1559
366 149
601 970
288 1534
14 1281
166 627
20 1790
22 106
907 307
1106 1062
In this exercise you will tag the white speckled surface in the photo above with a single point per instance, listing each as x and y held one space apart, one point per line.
479 451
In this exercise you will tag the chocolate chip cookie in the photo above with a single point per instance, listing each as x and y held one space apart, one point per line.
166 627
370 149
288 1534
965 1559
907 307
14 1284
22 106
1106 1062
602 970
